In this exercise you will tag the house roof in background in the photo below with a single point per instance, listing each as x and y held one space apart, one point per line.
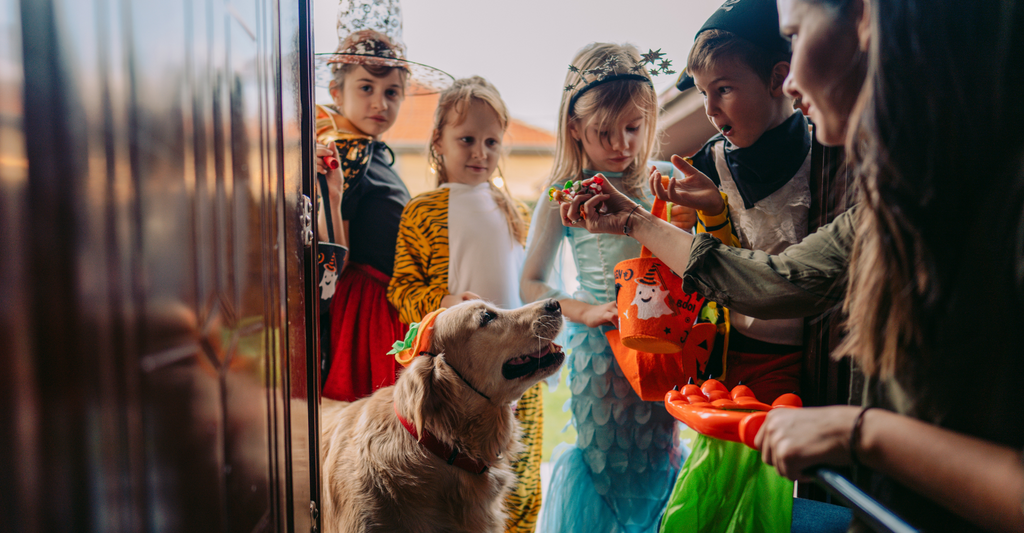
412 129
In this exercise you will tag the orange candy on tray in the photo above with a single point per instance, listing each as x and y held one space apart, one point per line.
712 410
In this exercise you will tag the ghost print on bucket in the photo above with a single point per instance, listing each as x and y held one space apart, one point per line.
651 296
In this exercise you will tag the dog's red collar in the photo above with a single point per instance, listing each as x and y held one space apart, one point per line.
447 453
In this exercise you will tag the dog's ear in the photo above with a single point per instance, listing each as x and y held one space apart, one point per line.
416 393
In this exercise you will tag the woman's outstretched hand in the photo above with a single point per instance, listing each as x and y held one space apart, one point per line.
601 213
693 190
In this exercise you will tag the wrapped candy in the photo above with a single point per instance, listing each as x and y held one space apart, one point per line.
572 188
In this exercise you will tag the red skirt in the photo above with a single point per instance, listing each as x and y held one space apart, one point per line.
768 375
364 325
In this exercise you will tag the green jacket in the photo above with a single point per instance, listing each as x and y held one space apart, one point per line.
806 279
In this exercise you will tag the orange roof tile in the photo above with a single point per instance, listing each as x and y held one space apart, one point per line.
417 117
523 134
414 121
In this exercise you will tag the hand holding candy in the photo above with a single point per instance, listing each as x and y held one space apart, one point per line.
568 193
325 156
606 212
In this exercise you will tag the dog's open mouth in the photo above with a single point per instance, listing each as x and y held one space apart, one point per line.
526 365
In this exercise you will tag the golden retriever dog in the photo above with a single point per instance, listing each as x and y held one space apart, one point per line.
377 476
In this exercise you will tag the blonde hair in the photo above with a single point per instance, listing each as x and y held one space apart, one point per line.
457 98
602 105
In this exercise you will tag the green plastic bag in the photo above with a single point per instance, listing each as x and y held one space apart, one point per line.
725 488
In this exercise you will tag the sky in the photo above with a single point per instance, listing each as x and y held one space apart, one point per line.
524 47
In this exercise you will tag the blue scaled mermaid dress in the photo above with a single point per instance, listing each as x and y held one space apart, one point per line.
618 475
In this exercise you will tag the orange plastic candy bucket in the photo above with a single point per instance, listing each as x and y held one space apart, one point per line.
653 374
655 315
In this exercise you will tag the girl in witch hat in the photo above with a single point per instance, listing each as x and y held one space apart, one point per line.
368 77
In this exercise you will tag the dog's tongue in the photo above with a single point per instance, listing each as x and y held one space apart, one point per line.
526 358
544 351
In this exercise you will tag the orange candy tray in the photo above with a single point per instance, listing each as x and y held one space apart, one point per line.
712 410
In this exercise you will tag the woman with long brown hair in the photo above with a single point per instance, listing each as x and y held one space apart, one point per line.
929 264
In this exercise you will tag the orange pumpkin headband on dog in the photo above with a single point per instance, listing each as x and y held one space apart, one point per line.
417 340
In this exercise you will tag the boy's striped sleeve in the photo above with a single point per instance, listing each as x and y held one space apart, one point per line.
719 225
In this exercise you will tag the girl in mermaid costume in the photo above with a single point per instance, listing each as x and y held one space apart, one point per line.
618 476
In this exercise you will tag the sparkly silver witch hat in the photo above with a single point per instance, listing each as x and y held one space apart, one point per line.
370 33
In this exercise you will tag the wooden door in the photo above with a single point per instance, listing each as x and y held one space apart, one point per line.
152 266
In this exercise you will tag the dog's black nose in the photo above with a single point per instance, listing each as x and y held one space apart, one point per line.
552 306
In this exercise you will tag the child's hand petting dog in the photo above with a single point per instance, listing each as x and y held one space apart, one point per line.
455 299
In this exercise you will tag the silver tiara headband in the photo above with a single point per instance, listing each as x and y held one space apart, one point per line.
605 73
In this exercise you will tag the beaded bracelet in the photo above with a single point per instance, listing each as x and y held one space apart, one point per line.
855 436
625 227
